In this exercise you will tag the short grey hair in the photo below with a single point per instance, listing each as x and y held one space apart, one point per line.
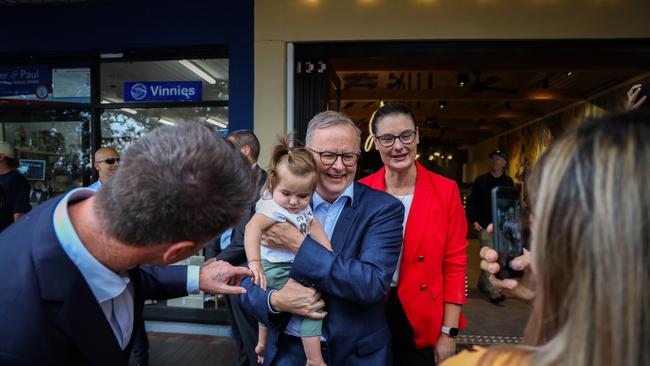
174 184
329 119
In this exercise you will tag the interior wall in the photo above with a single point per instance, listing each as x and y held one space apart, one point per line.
284 21
478 161
270 95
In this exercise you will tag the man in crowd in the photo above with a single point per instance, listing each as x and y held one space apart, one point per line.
480 211
244 326
14 188
365 230
106 162
73 275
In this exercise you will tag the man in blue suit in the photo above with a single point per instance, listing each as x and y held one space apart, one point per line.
72 285
365 230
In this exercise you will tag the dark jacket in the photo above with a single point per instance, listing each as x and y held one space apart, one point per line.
48 314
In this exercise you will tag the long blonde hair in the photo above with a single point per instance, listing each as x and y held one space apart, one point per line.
591 237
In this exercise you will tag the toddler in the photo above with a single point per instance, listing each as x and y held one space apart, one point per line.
286 196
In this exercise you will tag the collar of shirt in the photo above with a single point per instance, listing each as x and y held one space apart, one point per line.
104 283
95 186
317 200
328 214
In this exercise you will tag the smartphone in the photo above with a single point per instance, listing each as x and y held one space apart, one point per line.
508 229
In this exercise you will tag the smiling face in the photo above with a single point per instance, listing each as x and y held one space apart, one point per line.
103 157
399 156
335 178
293 192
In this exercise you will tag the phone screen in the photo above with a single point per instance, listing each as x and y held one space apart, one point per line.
508 234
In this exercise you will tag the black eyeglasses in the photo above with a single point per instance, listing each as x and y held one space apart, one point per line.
329 158
406 137
110 161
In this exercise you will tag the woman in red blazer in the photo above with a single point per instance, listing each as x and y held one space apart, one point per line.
428 287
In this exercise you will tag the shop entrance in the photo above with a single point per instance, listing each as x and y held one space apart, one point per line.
469 98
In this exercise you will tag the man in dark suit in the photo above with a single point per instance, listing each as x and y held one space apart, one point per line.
365 230
73 286
244 326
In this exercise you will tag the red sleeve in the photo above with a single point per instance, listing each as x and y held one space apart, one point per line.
455 257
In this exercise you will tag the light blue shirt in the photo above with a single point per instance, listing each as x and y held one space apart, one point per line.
328 215
225 239
95 186
113 291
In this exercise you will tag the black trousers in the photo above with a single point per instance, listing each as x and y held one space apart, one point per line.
244 330
404 351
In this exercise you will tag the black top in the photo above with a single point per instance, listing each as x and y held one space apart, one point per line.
15 189
479 205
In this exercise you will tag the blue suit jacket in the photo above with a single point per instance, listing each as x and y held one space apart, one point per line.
354 280
48 314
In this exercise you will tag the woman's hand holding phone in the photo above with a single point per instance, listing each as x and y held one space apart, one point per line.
522 288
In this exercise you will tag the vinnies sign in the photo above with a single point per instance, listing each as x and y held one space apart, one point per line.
162 91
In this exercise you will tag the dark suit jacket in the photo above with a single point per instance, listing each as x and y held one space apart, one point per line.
48 314
354 280
235 253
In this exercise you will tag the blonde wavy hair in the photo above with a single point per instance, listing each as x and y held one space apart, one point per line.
591 238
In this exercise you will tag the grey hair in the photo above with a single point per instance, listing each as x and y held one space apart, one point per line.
329 119
174 184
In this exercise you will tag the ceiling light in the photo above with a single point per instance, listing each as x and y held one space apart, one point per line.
129 110
216 122
417 156
430 157
569 73
202 74
463 79
436 154
166 122
449 157
442 104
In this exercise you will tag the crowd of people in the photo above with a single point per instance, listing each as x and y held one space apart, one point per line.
320 269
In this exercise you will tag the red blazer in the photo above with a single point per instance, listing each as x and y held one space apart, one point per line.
434 257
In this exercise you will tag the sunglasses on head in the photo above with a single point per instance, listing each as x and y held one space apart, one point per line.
110 161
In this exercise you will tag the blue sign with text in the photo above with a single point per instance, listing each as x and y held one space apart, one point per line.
163 91
25 80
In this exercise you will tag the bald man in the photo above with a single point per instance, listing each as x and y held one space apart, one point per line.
106 162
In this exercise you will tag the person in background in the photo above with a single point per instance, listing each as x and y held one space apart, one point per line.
107 160
480 211
428 287
590 264
229 247
14 188
87 259
364 227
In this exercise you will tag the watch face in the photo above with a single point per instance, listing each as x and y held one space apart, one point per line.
453 332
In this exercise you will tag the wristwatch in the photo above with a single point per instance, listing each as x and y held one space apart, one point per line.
452 332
